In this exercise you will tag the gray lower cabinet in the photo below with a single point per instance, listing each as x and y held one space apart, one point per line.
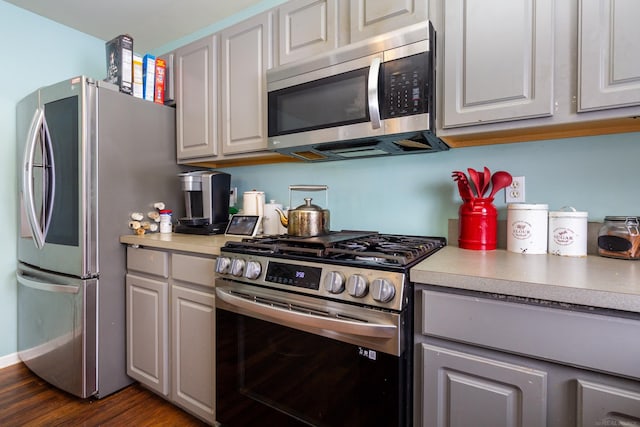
488 361
463 389
147 291
171 327
147 338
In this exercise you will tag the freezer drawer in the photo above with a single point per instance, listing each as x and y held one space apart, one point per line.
57 329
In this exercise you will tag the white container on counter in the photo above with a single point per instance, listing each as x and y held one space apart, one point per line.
253 204
568 232
271 221
527 228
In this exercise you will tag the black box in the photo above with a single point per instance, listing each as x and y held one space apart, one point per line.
120 63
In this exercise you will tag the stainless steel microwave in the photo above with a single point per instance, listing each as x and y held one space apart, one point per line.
371 98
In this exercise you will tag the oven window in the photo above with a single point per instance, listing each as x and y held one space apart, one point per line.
332 101
62 120
269 374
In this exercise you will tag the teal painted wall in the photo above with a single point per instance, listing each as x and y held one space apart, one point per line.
414 194
37 52
411 194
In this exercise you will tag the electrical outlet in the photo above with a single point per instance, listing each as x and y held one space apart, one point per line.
515 192
233 196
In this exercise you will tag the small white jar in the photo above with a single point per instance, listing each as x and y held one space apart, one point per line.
568 232
165 221
527 228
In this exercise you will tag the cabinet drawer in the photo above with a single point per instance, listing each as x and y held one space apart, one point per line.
193 269
148 261
602 405
604 343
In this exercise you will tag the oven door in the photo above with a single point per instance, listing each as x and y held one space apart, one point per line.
290 360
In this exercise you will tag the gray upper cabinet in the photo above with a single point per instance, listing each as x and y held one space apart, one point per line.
498 60
609 64
373 17
246 54
306 28
196 81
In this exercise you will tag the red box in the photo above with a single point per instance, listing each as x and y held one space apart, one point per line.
161 72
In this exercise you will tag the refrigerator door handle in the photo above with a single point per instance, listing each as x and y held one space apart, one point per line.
37 130
30 282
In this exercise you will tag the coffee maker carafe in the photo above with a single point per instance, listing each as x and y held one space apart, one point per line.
206 198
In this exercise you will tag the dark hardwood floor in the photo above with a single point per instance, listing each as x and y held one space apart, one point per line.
26 400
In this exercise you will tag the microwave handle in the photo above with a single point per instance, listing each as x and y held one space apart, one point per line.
372 93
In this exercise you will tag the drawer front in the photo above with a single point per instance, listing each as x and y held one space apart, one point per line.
148 261
604 343
193 269
603 405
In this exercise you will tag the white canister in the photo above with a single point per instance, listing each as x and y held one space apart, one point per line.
568 232
253 204
527 228
271 223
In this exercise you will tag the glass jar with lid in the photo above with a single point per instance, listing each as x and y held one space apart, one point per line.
619 237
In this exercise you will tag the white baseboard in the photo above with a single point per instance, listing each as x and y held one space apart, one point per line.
8 360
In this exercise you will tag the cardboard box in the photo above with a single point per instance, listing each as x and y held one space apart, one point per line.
120 63
148 76
137 75
161 74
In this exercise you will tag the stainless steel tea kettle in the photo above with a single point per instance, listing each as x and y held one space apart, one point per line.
307 220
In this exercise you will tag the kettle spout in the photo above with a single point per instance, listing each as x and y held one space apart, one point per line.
283 218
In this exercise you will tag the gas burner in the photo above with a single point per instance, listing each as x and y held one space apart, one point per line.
347 247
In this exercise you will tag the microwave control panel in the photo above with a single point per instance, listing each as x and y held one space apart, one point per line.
406 86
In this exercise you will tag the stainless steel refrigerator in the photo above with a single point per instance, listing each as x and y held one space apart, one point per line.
88 156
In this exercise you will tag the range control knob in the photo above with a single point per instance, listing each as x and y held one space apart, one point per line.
222 265
382 290
334 282
237 267
357 286
253 270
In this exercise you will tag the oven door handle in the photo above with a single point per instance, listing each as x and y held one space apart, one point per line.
292 318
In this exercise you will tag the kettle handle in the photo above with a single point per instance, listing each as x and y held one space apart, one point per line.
310 188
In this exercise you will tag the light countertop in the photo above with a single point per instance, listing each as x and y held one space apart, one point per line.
591 281
206 245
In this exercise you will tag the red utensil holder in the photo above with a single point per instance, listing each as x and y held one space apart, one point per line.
477 225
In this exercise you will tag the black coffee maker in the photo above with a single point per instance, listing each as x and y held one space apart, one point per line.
206 198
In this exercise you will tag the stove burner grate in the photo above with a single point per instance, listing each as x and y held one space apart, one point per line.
370 248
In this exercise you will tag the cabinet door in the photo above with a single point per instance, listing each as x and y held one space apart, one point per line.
193 342
196 81
498 60
247 53
373 17
147 332
609 64
306 28
602 405
460 389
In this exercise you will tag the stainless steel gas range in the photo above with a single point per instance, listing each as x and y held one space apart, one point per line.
316 331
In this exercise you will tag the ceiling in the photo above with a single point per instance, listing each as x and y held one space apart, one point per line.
151 23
